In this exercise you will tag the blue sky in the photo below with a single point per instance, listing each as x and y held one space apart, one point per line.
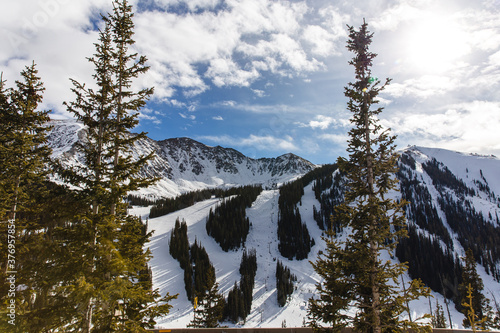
266 77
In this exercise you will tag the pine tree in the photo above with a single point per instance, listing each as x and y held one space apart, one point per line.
6 114
284 283
110 286
210 307
23 150
475 306
496 320
126 67
438 318
352 271
23 175
472 318
235 304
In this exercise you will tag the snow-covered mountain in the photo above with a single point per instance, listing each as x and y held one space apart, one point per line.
436 171
184 165
454 205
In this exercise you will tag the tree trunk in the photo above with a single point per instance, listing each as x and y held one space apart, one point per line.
375 289
13 210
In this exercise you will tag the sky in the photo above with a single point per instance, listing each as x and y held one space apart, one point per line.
267 77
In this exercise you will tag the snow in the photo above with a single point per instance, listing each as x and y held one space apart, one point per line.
184 165
168 276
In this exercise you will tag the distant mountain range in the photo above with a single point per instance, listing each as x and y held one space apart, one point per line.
454 204
183 164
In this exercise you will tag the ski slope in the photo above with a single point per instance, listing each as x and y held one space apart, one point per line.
168 276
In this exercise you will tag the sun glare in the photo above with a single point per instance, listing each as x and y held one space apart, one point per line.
436 45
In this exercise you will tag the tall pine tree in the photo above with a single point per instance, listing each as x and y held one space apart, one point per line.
353 273
23 150
111 286
471 294
126 67
23 174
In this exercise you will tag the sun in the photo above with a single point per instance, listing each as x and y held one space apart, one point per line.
436 44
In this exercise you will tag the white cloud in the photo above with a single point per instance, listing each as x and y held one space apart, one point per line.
259 142
264 32
323 43
281 53
187 116
403 11
219 118
225 72
494 60
228 103
328 39
192 5
471 127
145 116
264 35
340 139
422 87
269 143
324 122
259 93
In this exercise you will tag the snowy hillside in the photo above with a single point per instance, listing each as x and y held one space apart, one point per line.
478 173
454 204
184 165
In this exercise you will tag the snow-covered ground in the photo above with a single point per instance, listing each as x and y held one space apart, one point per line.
168 276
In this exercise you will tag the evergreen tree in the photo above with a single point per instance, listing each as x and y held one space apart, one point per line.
239 300
293 235
203 272
23 181
126 102
496 320
6 114
23 151
475 306
352 271
248 269
228 224
210 307
284 283
472 319
110 287
438 318
235 307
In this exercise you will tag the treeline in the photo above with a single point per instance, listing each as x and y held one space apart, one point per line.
442 178
436 266
329 191
239 300
484 187
293 235
199 273
137 200
473 230
284 283
431 257
420 209
200 281
170 205
228 223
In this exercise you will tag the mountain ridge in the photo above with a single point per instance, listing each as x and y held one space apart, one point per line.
454 204
184 164
435 243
